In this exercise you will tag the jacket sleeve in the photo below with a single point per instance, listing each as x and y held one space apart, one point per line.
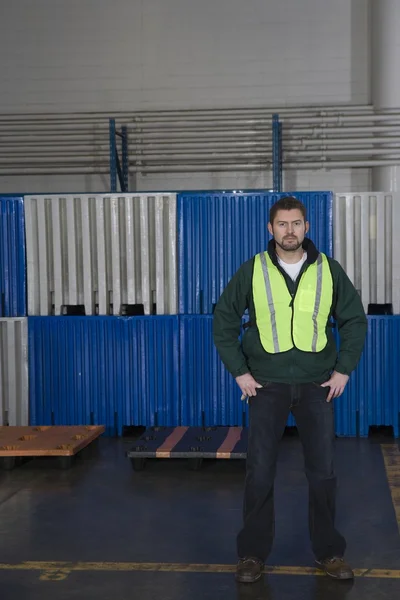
227 322
352 323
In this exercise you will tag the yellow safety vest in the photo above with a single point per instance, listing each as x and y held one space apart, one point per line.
284 322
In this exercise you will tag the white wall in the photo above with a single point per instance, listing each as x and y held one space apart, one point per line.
103 55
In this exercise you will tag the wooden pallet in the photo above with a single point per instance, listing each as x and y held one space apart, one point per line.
58 441
193 443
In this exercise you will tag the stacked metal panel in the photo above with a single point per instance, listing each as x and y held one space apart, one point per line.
104 370
13 325
367 245
208 393
346 409
209 396
14 372
376 383
347 406
12 257
110 253
105 253
165 371
218 231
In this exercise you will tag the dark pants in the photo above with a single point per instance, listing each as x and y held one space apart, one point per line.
269 411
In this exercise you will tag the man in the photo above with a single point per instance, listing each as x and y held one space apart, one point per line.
288 362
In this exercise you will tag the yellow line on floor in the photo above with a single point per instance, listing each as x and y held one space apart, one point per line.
391 457
59 570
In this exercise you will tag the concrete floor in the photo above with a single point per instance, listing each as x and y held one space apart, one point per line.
90 532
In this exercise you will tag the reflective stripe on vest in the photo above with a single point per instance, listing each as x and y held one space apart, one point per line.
284 322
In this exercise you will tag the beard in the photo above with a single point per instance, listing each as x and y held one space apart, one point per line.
289 245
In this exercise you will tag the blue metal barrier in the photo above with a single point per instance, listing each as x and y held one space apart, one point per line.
208 393
372 397
12 257
104 370
218 231
165 371
210 396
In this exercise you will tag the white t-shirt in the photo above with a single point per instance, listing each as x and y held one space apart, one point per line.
293 269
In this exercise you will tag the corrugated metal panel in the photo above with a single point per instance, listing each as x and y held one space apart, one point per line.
218 231
12 258
166 371
209 394
101 252
104 371
375 385
347 406
14 372
367 245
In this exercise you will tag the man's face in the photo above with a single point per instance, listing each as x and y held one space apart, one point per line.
288 229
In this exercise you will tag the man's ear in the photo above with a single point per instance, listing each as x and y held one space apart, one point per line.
307 226
270 228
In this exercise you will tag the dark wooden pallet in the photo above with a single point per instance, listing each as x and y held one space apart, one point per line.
63 442
193 443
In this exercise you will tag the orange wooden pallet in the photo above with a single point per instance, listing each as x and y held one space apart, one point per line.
46 440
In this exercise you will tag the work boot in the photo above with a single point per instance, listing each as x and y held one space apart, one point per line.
249 570
335 567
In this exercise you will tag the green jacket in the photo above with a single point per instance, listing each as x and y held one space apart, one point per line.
294 366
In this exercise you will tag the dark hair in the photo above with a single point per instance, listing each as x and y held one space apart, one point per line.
287 203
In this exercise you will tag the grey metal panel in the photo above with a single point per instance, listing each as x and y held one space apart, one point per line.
101 251
367 244
14 372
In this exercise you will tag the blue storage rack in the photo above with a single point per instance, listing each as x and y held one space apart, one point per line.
218 231
12 257
104 370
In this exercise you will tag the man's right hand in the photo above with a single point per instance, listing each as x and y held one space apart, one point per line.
248 385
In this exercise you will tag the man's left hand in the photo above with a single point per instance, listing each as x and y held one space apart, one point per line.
337 383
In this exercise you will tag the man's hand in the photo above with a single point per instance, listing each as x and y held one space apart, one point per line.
337 383
248 385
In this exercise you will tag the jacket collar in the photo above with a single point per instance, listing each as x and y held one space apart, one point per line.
308 246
